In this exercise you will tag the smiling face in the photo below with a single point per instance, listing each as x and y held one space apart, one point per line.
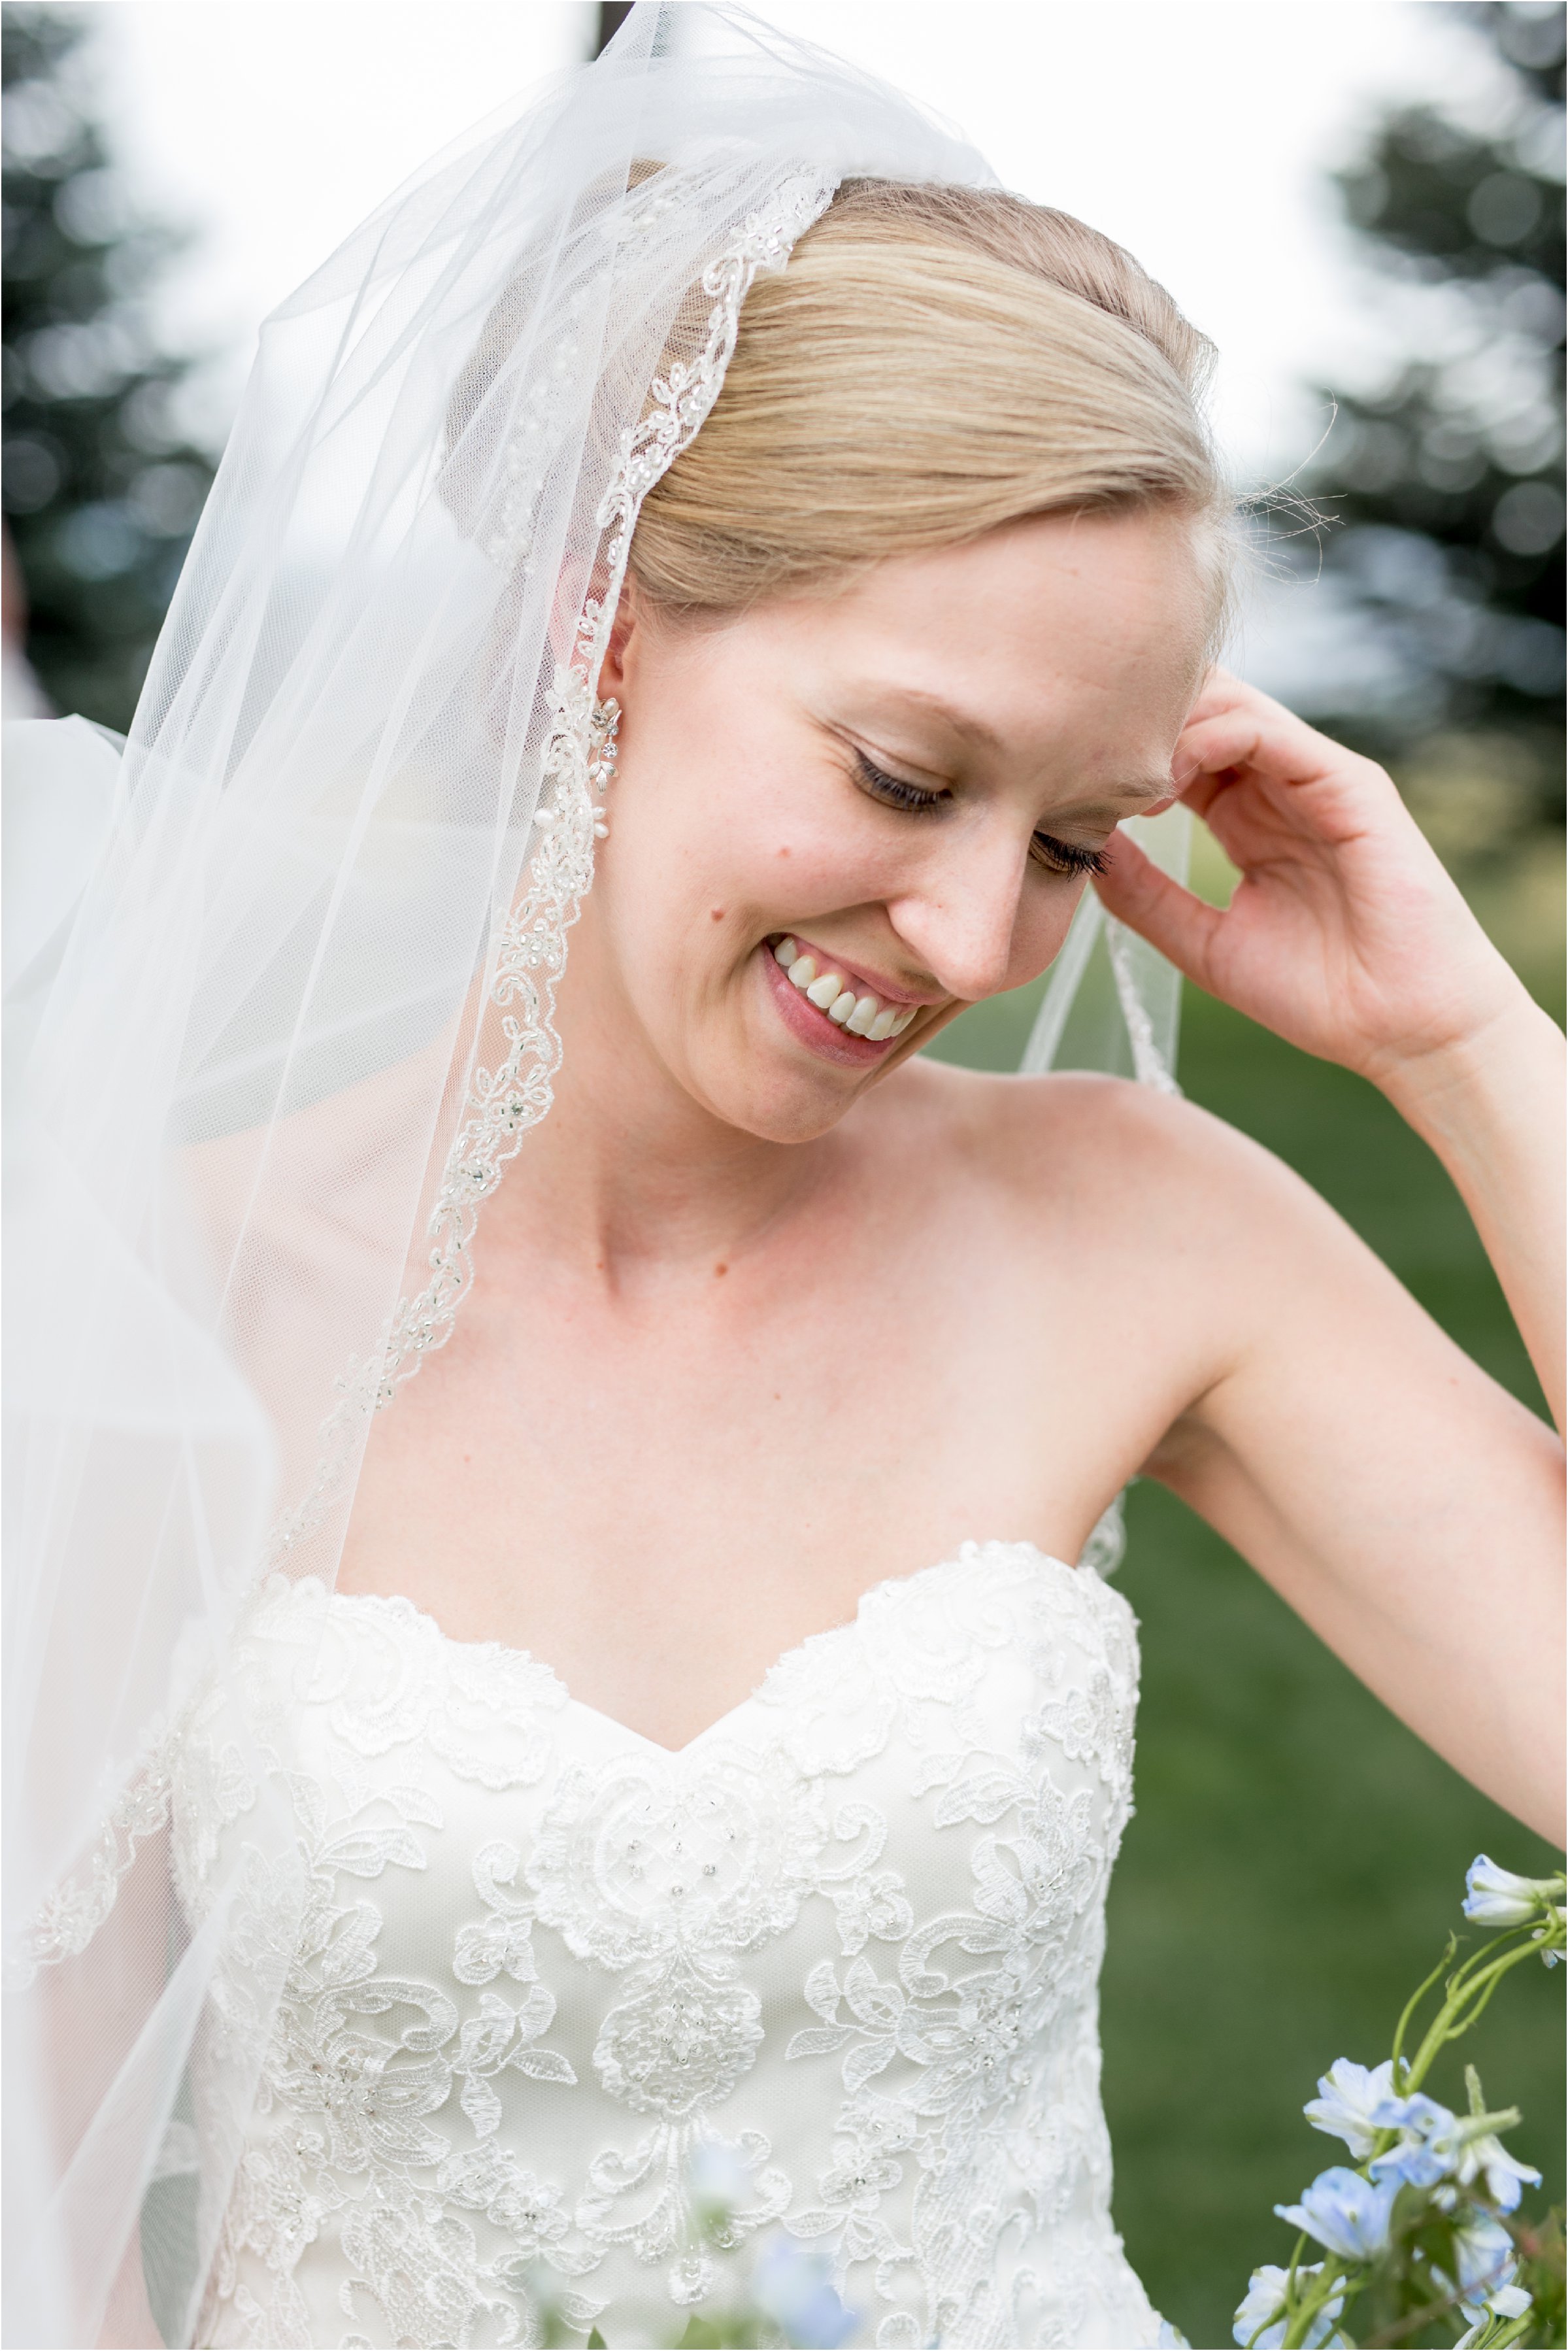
902 785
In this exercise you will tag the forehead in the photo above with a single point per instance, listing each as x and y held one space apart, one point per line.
1087 632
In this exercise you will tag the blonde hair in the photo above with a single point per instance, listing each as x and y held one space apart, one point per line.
933 362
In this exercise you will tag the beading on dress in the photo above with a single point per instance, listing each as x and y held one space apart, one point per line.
845 1941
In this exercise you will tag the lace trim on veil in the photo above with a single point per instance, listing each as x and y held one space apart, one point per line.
576 768
529 957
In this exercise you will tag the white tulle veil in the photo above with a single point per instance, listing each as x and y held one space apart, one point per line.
281 976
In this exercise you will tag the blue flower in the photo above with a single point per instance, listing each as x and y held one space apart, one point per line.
1429 2147
1264 2307
1435 2145
1483 2254
1347 2097
791 2284
1487 2156
1509 2301
1496 1897
1346 2213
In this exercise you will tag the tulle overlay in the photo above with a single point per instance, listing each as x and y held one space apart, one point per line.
280 997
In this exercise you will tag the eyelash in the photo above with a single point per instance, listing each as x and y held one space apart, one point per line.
1056 856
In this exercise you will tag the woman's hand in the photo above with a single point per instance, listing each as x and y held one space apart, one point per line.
1344 934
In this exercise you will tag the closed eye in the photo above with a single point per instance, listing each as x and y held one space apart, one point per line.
1065 856
1056 856
893 790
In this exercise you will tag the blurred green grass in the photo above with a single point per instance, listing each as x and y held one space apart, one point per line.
1297 1857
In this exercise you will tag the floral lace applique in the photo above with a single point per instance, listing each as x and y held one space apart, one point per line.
543 1970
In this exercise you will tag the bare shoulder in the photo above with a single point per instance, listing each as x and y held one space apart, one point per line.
1178 1226
1079 1135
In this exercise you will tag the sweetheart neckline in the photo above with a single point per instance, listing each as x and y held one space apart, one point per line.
965 1556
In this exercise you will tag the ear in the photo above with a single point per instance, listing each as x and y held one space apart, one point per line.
576 583
620 654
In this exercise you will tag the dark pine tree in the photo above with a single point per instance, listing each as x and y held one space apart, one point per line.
608 18
1446 485
101 488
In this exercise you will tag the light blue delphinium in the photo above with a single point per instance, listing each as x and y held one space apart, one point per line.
1497 1897
791 2284
1428 2149
1504 2175
1346 2213
1348 2095
1435 2145
1264 2307
1484 2254
1509 2301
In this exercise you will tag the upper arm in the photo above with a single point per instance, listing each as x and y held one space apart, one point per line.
1404 1504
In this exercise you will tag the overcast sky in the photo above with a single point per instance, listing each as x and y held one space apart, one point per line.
1198 133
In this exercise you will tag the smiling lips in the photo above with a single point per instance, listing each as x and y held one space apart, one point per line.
859 1013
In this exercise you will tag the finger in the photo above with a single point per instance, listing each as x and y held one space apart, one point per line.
1139 894
1222 690
1262 735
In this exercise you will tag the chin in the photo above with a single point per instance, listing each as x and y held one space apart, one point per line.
770 1094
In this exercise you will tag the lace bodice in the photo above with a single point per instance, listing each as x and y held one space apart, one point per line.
844 1946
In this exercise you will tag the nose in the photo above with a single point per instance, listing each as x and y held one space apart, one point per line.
962 918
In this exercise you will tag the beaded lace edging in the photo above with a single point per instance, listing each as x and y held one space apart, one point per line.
531 956
576 765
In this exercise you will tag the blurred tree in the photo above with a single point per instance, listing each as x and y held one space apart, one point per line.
608 18
1447 482
101 488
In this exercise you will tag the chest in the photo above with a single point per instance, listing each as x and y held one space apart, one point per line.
659 1498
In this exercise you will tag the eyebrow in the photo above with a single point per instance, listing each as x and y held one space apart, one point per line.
1134 791
960 722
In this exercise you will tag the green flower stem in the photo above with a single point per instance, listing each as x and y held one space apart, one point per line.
1297 2250
1335 2279
1416 1997
1467 1992
1473 1984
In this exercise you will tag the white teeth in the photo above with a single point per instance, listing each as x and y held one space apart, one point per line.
861 1015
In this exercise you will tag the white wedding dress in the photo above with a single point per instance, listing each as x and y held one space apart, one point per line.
841 1951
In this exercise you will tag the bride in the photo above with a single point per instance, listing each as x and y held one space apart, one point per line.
500 1852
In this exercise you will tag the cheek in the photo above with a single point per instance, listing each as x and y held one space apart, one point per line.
1044 918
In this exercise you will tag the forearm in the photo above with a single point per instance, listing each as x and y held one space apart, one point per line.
1494 1112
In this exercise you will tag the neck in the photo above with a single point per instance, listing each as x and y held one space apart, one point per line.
630 1174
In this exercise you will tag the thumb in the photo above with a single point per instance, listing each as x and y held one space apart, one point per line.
1141 894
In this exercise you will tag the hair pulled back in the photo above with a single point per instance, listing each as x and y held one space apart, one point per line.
933 362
